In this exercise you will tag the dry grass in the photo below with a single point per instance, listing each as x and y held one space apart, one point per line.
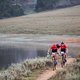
62 21
71 72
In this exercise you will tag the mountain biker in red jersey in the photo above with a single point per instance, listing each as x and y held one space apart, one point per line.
63 47
53 49
63 51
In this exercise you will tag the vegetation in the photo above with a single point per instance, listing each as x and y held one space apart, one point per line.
7 9
31 68
63 21
53 4
24 70
71 72
45 5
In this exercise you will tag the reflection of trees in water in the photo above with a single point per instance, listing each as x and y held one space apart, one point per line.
10 55
41 53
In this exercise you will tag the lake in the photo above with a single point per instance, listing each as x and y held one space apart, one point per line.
16 48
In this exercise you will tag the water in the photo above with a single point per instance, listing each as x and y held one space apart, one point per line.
17 48
11 54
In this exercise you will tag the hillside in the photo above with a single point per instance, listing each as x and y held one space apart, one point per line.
13 8
62 21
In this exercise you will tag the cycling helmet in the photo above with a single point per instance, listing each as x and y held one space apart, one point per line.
58 46
62 42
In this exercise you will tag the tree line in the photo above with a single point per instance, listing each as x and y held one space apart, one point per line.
45 5
7 9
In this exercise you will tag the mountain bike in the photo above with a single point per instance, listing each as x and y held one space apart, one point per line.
63 59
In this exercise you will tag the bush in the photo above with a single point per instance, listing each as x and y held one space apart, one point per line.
71 72
24 69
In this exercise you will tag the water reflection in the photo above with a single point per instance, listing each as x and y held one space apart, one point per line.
9 55
17 48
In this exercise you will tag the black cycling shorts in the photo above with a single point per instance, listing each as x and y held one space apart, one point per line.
54 50
63 50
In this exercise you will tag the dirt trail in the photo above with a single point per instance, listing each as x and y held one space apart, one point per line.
49 73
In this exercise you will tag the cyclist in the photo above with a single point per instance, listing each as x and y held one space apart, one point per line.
63 51
53 51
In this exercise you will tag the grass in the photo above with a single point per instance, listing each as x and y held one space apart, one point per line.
62 21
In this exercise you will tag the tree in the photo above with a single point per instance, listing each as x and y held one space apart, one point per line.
45 5
7 9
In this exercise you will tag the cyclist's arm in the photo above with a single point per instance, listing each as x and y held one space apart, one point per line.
49 50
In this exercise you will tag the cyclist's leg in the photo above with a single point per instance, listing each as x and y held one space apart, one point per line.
63 60
65 56
55 64
62 63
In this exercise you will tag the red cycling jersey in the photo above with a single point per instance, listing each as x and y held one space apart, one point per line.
63 46
54 47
